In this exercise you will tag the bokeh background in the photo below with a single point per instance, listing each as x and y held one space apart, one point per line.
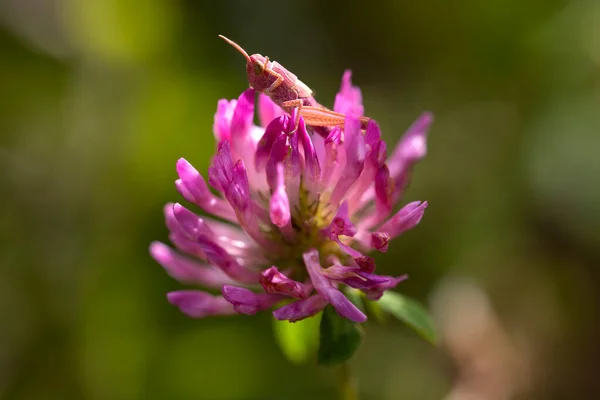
101 97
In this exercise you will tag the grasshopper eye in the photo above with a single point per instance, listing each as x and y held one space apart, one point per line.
258 68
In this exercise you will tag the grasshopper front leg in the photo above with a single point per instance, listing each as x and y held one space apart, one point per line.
294 104
278 81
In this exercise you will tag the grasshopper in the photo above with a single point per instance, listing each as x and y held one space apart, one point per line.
289 92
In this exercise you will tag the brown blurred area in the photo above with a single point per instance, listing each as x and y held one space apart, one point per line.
101 97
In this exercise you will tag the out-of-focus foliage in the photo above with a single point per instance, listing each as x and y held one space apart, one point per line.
101 97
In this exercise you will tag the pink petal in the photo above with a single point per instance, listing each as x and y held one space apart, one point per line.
380 241
247 302
411 148
407 218
355 159
335 158
274 282
185 270
279 205
323 286
300 309
195 228
267 110
276 128
375 292
349 98
193 188
312 170
222 121
197 304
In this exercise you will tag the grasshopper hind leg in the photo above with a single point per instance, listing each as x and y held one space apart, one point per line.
320 119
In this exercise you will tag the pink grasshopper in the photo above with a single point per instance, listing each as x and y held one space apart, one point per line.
289 92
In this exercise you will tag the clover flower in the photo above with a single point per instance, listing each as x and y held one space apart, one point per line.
294 215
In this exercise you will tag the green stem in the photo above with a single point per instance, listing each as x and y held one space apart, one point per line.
348 386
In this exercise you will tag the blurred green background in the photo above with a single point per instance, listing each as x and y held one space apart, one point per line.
101 97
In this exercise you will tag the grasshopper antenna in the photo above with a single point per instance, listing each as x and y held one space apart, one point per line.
236 46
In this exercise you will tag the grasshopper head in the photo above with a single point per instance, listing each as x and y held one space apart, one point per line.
258 77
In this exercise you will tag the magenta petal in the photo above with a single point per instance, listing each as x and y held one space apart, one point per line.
312 171
384 189
267 110
375 159
195 228
273 132
323 286
239 190
349 98
365 263
380 241
375 292
411 148
246 301
222 122
373 141
279 152
274 282
413 145
178 236
193 188
279 204
295 170
192 180
345 307
185 270
230 178
300 309
243 115
279 208
405 219
340 224
189 223
347 249
185 244
355 159
354 276
170 220
197 304
334 157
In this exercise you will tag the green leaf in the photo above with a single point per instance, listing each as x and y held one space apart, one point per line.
410 312
298 340
339 338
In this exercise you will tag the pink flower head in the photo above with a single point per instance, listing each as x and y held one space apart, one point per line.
291 215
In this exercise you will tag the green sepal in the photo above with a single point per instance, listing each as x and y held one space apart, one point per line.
339 338
375 310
